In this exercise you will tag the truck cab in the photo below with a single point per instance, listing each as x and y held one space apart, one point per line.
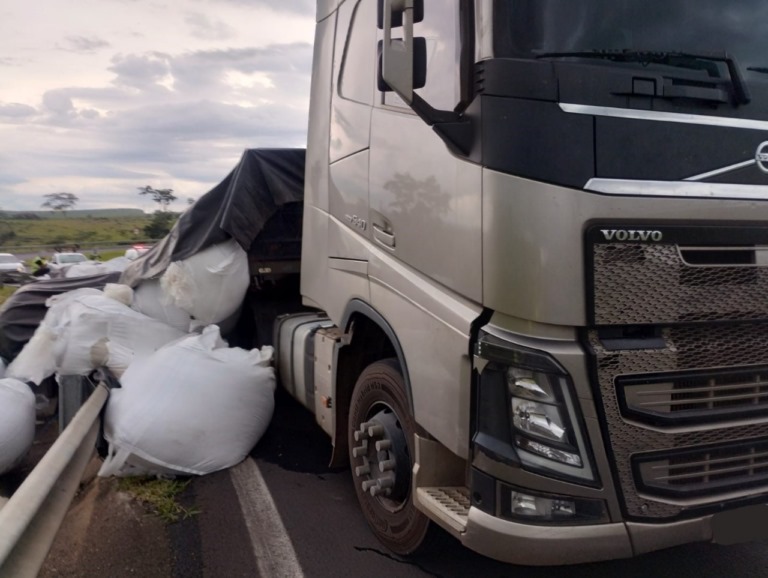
537 234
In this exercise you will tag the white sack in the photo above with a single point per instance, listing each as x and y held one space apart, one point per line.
35 361
211 284
85 269
74 336
17 422
93 318
117 264
191 408
150 299
118 292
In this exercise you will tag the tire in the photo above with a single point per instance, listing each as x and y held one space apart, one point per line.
379 401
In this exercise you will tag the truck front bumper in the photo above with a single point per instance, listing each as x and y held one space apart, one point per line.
533 545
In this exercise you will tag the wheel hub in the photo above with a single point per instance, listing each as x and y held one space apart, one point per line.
383 451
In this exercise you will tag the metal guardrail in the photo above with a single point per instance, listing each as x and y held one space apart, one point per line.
30 520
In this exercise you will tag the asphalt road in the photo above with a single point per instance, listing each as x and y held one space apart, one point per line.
283 513
319 511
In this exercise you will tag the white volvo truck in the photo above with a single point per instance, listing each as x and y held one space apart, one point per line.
537 232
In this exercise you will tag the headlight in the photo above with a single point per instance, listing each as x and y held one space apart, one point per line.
539 416
542 418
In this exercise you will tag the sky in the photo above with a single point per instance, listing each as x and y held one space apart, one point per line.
101 97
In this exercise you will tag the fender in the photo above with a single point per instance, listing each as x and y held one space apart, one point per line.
361 307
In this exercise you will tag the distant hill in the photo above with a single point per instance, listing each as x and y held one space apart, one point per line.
75 214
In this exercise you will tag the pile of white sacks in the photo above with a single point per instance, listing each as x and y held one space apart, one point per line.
189 403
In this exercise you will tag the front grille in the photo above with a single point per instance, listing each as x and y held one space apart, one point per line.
705 471
656 284
682 372
690 398
687 349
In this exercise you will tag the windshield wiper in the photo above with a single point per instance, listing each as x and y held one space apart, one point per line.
761 69
678 59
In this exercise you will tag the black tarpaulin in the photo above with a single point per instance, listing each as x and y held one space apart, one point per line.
238 208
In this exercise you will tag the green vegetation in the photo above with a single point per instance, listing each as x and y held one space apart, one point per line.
159 225
73 214
160 496
70 229
5 292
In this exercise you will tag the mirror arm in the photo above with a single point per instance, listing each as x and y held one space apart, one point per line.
454 128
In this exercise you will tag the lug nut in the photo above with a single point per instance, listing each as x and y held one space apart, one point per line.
382 487
378 491
387 465
383 445
368 484
361 450
362 470
376 430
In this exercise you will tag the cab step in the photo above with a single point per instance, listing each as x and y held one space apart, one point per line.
448 506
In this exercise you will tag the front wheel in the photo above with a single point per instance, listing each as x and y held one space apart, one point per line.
381 434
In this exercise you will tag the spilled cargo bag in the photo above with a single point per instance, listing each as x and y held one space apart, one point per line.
77 332
211 284
17 422
150 299
194 407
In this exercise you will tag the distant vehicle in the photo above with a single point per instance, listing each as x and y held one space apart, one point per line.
10 262
141 249
61 261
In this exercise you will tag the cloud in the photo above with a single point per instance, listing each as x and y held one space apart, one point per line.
142 72
174 109
203 27
10 61
84 44
304 7
16 111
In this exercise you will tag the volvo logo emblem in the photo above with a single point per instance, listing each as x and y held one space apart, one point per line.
761 157
631 235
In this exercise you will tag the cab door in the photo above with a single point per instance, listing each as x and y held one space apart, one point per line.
425 202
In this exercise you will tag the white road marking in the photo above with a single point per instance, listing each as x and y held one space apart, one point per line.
272 546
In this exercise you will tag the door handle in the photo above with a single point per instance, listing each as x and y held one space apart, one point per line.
384 237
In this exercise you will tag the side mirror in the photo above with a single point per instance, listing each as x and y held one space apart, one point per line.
419 65
397 56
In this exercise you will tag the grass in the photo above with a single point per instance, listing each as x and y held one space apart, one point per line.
160 496
70 230
5 292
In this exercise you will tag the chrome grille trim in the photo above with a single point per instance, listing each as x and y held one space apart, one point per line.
707 471
674 399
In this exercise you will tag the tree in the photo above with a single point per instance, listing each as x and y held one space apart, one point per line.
60 202
162 197
160 224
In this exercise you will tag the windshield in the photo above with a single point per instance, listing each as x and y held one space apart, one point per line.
71 258
531 28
